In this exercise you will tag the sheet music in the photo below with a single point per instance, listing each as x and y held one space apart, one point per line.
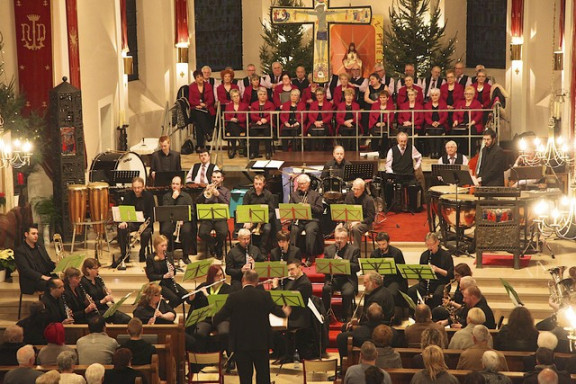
277 322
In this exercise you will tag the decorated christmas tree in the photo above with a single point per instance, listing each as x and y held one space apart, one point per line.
415 36
285 43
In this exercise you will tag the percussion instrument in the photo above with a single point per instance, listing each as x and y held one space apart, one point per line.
117 168
77 200
435 193
459 213
98 196
333 188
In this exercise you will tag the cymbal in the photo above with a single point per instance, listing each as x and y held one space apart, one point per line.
304 167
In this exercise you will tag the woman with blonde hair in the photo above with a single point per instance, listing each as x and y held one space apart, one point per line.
152 308
435 368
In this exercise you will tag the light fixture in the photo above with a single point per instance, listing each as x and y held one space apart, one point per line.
516 51
128 65
182 55
16 154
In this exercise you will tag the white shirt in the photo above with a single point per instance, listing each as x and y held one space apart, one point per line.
197 178
416 156
464 160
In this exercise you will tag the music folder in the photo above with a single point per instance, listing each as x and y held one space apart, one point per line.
127 214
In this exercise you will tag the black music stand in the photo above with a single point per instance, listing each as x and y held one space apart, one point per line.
164 178
526 173
123 177
173 213
397 180
363 170
437 168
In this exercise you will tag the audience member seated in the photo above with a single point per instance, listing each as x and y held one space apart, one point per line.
490 364
52 377
13 340
471 357
474 377
25 373
54 334
435 369
347 120
430 336
142 350
97 346
463 338
123 371
34 324
545 360
472 297
373 375
356 373
360 333
95 374
548 340
66 361
519 334
547 376
387 357
423 320
152 308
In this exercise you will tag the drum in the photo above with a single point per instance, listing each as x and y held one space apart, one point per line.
439 190
77 200
98 196
333 188
464 208
117 168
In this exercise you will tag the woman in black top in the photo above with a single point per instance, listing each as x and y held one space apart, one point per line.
152 308
123 372
94 287
519 334
80 303
160 266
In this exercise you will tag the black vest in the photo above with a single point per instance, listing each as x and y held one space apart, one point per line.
459 159
402 164
196 169
463 80
429 83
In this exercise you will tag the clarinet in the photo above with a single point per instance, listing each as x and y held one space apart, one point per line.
170 268
106 290
69 314
248 258
88 297
428 281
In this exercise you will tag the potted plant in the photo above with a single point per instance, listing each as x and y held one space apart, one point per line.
45 208
7 263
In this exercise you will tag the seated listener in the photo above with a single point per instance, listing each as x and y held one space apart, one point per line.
142 350
122 371
66 361
359 196
285 251
347 119
260 195
423 321
519 334
471 358
160 267
95 374
54 334
356 374
97 346
13 340
33 263
292 120
34 324
346 284
435 369
241 258
261 124
395 283
219 195
430 336
381 119
472 297
490 365
545 360
186 228
25 372
387 357
463 338
143 201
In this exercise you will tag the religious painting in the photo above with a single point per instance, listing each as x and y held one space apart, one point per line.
322 17
357 45
68 141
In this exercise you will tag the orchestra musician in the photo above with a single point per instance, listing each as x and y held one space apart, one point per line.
348 285
402 160
452 156
285 251
201 173
33 263
492 161
300 316
152 308
358 196
165 159
55 303
143 201
259 195
214 193
443 266
306 196
160 266
94 286
181 230
241 258
82 305
335 166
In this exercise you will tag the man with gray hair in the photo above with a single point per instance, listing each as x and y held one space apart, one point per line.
545 360
25 373
66 361
463 338
471 357
547 376
452 156
491 363
358 196
95 374
368 356
241 258
12 341
548 340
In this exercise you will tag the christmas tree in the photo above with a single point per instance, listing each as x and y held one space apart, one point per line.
285 43
416 37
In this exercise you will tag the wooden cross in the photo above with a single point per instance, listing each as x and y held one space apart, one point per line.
321 16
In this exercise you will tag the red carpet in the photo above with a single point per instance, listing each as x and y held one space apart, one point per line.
403 226
503 260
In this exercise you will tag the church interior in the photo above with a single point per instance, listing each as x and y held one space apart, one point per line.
95 94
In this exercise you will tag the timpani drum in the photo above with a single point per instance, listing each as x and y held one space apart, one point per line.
435 193
98 196
459 212
77 200
333 188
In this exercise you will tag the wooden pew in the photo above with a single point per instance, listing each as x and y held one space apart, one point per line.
404 375
176 340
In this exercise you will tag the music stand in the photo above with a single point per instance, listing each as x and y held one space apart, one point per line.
363 170
346 212
197 269
198 315
333 266
217 301
527 173
417 271
122 177
409 300
69 261
293 212
252 213
290 298
173 213
270 269
437 168
126 214
114 307
164 178
213 211
382 266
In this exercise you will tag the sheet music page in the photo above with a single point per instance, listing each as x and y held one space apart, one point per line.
276 321
260 164
276 164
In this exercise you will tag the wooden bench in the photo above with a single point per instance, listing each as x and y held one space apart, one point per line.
171 335
404 375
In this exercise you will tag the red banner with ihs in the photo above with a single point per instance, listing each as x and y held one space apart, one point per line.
34 49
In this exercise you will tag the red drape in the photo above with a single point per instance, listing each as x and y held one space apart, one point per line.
561 23
517 15
34 50
73 42
124 26
181 24
573 69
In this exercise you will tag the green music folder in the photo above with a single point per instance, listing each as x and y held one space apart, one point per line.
198 315
346 212
69 261
114 307
269 269
295 211
213 211
252 213
382 266
141 291
197 269
333 266
217 301
416 271
290 298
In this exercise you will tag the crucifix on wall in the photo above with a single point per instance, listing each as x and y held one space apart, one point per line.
321 16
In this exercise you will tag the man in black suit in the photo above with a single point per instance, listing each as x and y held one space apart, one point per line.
241 258
492 161
285 251
55 303
248 311
143 201
187 228
394 283
220 195
33 263
261 196
165 159
335 167
347 284
359 196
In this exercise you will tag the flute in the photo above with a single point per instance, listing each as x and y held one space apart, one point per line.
200 289
156 310
272 279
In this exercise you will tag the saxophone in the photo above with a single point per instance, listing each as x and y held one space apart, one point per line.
446 303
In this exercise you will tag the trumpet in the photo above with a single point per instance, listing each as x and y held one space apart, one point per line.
177 231
209 190
257 229
58 246
136 235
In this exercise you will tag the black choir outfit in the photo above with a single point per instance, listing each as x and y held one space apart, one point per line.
348 285
155 271
55 309
32 264
441 259
97 292
144 203
188 230
236 259
220 226
395 283
482 305
312 227
265 198
162 162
